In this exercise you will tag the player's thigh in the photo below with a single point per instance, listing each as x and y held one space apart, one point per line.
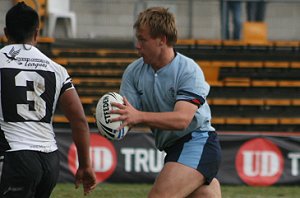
176 180
20 174
200 151
50 164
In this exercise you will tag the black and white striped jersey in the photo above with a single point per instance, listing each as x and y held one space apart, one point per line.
30 84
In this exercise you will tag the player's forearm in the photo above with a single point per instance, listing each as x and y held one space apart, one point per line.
81 139
165 120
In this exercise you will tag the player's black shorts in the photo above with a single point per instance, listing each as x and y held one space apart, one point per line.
29 174
198 150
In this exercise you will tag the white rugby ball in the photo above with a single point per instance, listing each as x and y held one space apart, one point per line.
107 128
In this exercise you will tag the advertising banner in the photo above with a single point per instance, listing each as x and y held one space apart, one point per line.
134 159
250 158
260 160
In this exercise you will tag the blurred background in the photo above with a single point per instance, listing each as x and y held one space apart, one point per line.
248 51
197 19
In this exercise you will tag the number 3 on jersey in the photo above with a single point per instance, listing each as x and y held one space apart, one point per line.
38 89
27 95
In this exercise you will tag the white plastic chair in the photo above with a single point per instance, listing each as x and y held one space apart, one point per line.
61 9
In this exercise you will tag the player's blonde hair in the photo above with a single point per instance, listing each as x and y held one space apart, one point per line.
160 21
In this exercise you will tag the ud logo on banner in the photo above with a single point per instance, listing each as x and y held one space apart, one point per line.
259 162
103 155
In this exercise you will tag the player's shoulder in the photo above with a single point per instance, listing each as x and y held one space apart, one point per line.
185 59
47 59
135 66
5 50
186 63
2 53
137 63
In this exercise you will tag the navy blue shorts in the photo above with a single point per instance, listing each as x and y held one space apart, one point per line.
29 174
198 150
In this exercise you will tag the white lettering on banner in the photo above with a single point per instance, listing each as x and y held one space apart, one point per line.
128 152
294 163
141 159
147 160
156 167
262 163
102 158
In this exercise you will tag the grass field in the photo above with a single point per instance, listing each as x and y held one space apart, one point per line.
106 190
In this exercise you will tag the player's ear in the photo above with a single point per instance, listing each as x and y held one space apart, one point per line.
7 35
35 36
162 40
6 32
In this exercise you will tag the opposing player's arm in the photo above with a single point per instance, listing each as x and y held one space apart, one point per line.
178 119
71 106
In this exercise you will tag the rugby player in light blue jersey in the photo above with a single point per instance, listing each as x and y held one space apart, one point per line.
167 91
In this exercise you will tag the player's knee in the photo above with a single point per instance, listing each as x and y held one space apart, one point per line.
155 193
213 190
216 188
159 193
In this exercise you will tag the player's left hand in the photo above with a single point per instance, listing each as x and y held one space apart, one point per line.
128 114
87 178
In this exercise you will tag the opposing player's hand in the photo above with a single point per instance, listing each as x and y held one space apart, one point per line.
128 114
87 178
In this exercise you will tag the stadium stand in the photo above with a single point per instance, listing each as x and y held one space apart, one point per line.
248 92
255 33
254 82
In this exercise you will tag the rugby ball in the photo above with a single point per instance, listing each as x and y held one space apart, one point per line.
107 128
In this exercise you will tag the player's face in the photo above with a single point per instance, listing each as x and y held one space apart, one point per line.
149 48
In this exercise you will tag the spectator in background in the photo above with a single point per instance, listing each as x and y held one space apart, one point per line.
233 8
256 10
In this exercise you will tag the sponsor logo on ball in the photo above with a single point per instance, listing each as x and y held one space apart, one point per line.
106 127
105 107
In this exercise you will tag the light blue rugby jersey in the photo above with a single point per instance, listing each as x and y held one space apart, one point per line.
158 91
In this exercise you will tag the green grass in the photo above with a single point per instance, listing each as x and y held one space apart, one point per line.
260 192
103 190
108 190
